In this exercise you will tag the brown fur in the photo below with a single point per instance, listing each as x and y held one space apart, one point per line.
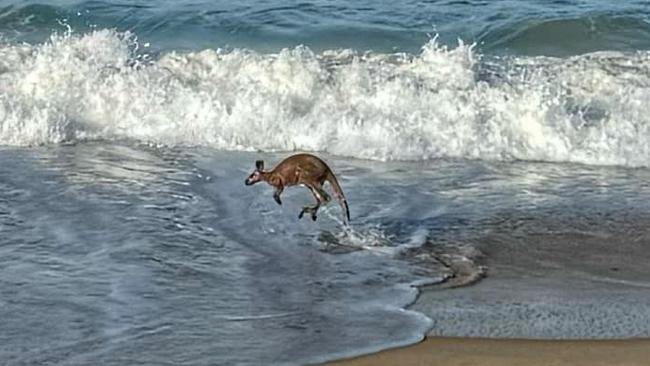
301 169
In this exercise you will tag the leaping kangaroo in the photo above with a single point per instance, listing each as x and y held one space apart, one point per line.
303 169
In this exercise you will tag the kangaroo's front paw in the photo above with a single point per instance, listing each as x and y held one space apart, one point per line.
277 199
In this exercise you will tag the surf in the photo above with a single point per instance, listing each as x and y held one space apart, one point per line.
444 102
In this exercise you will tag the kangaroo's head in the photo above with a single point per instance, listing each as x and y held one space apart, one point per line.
256 175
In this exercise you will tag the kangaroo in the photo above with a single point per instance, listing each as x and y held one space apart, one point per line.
303 169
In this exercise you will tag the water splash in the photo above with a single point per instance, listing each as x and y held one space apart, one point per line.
442 102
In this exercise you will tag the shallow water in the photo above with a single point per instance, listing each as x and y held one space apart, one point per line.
112 250
116 254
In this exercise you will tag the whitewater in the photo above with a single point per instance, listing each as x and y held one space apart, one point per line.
443 102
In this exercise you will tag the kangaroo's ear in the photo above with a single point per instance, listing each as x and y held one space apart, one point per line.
259 164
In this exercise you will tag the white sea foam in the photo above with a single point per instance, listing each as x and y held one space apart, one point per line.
443 102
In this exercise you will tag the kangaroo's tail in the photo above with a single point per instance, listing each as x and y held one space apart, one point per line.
338 193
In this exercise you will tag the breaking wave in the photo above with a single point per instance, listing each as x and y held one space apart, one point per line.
442 102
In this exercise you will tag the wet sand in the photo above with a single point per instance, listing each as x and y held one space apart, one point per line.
506 352
559 291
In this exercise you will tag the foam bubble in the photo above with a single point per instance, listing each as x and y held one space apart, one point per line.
442 102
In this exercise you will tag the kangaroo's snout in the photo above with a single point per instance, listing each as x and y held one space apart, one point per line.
253 178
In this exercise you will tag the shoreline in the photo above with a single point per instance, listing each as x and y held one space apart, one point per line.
450 351
554 301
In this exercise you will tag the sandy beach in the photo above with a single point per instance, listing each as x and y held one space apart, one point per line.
505 352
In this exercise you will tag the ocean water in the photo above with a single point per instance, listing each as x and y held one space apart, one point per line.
506 139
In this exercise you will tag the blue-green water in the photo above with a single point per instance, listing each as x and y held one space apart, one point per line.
514 27
511 134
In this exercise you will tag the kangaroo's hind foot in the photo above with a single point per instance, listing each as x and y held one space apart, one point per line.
308 209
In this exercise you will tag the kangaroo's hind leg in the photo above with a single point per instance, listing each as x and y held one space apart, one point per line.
321 197
276 195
